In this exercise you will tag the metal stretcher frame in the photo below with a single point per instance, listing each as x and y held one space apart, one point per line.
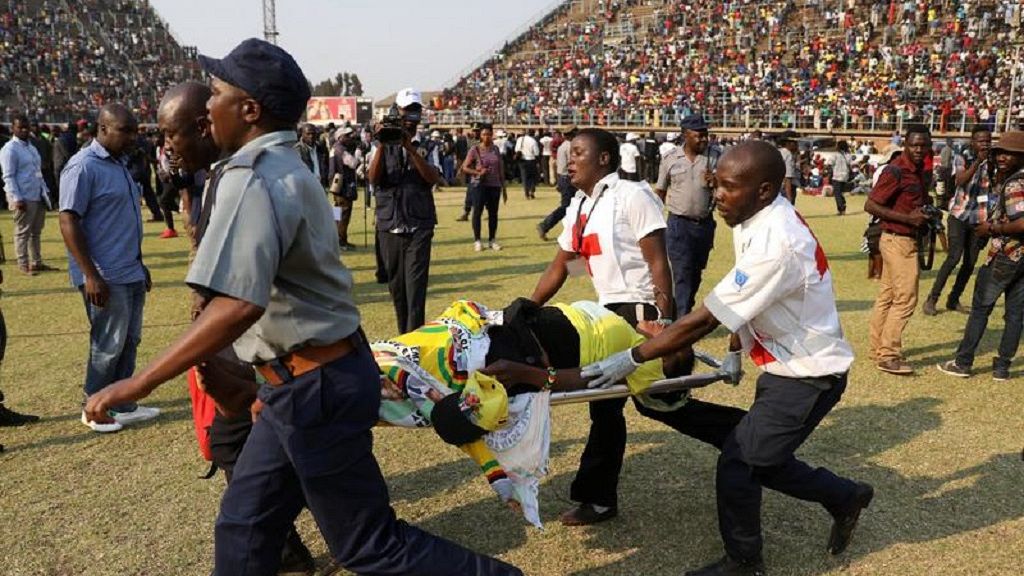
667 385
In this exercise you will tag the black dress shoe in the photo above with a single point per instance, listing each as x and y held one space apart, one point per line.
586 514
9 417
844 524
296 559
729 567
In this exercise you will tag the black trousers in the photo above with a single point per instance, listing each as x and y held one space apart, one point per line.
839 188
488 197
565 192
758 453
597 479
169 198
964 248
312 447
528 174
406 259
151 200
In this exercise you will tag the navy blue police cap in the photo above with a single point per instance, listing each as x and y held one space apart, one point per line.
267 73
694 122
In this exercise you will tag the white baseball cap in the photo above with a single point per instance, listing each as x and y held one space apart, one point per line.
407 97
631 136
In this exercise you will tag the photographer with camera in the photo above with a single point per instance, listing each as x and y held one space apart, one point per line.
405 214
897 199
971 177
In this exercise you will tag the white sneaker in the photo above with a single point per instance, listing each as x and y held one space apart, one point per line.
477 246
495 246
140 414
101 427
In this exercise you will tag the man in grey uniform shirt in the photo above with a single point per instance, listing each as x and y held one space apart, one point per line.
684 184
269 268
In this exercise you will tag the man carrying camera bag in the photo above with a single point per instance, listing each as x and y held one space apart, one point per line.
403 191
897 199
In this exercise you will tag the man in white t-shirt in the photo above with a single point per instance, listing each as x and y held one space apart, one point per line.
778 301
628 152
547 169
527 152
789 148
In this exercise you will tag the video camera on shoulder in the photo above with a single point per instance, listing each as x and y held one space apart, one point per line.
392 127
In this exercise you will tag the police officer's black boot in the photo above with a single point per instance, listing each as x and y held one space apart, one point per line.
295 557
729 567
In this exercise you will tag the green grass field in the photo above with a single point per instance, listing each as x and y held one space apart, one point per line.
943 454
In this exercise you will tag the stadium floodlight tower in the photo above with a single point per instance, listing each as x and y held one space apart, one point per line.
269 21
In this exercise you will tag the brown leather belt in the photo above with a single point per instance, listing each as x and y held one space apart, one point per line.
280 370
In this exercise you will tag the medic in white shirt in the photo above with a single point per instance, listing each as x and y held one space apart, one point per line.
779 304
613 232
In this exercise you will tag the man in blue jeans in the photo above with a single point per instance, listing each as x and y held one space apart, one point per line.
1003 272
101 223
684 185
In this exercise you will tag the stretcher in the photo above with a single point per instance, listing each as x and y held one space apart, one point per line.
688 382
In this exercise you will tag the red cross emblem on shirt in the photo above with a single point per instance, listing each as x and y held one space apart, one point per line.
585 246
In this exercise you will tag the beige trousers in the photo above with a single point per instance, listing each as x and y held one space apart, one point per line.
28 227
897 296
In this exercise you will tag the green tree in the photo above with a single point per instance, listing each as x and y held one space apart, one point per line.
343 84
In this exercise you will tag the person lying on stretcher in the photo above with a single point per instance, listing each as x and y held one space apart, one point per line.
477 375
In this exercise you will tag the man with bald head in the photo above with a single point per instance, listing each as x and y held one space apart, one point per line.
183 120
269 266
101 223
779 304
188 143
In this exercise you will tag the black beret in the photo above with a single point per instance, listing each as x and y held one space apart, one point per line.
267 73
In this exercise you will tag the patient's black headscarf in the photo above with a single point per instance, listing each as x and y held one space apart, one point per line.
528 329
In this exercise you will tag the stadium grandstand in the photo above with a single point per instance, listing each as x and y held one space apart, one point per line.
63 59
856 65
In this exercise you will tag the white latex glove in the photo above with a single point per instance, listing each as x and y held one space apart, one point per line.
609 371
732 365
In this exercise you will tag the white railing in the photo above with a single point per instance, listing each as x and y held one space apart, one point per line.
668 121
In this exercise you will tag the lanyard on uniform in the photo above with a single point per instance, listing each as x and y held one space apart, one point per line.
581 225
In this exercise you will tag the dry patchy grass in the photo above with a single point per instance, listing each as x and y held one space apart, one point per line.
943 453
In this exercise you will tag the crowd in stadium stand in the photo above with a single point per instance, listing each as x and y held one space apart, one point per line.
807 63
63 60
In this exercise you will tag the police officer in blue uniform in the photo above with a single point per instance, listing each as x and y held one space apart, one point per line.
269 267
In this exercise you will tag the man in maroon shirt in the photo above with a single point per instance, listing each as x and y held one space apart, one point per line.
896 199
